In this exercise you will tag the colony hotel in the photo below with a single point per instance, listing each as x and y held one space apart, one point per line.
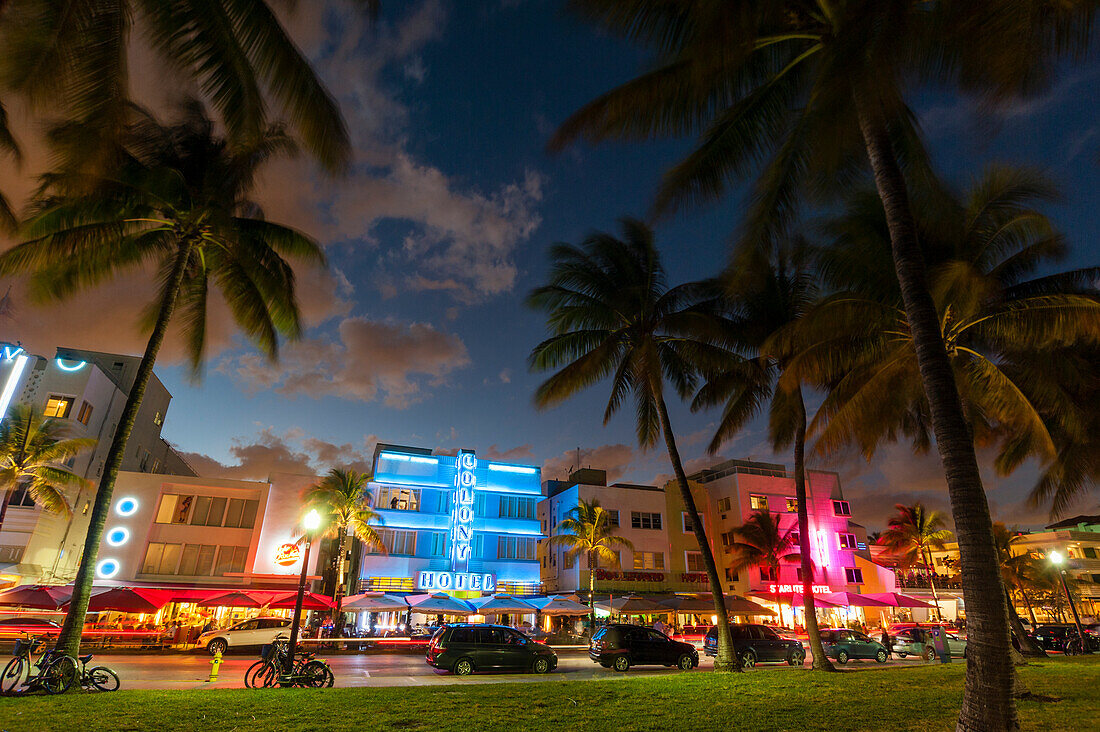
455 524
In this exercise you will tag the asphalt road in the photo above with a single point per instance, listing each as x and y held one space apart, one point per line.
190 671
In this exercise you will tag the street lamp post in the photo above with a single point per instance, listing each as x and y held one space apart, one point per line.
311 522
1057 559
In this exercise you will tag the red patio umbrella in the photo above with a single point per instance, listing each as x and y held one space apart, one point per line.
796 600
130 600
310 601
193 594
895 599
852 599
40 597
249 598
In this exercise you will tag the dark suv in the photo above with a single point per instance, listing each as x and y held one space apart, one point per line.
623 646
467 647
755 643
1055 637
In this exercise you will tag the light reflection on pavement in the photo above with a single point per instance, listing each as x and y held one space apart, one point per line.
190 670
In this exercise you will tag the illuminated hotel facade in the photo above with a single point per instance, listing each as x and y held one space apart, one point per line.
453 523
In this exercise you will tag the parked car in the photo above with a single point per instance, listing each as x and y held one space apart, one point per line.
254 632
843 644
918 642
1053 636
14 627
757 643
463 648
622 646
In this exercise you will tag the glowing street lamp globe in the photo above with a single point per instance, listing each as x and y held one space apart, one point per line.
1056 557
312 521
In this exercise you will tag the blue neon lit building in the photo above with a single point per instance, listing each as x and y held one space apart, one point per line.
453 523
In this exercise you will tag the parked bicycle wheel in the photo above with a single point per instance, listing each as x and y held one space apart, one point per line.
59 675
104 679
13 676
316 674
250 674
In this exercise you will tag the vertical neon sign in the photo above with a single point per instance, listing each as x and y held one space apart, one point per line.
462 514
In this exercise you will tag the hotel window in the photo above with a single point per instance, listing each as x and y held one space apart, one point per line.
58 406
728 539
847 541
792 505
477 547
613 518
798 573
758 503
241 514
643 520
516 507
687 523
516 547
397 542
174 509
209 511
767 574
695 562
85 413
198 560
853 576
439 544
568 561
796 539
407 499
21 498
1090 553
731 576
723 504
161 558
231 559
649 560
841 508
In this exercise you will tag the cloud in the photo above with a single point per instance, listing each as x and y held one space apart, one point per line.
289 452
521 454
615 459
369 360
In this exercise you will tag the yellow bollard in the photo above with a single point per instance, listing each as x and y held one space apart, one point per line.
214 663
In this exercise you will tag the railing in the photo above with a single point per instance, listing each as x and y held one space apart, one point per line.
920 581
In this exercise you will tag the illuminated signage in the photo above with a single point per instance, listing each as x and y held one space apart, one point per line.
118 536
784 589
127 506
12 353
456 581
462 514
66 365
287 555
107 568
822 548
9 351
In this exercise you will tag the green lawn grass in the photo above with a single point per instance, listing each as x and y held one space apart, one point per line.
924 698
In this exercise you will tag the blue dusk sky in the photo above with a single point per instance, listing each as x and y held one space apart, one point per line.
418 333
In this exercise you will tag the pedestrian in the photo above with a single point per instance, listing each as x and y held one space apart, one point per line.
887 641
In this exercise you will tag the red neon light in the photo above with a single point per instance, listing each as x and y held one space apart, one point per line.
797 589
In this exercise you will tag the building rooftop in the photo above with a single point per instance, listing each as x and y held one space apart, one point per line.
1075 522
750 467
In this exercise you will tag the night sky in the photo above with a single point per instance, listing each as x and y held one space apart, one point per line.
418 334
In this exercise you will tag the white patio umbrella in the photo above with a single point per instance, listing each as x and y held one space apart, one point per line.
497 604
375 602
567 605
439 604
632 605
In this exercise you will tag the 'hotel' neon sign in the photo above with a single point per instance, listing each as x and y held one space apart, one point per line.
456 581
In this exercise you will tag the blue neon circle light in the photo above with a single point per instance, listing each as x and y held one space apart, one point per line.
107 568
66 365
118 536
126 507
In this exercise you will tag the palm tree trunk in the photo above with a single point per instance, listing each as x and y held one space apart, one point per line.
591 594
821 661
726 659
928 567
338 592
4 505
68 642
1028 647
987 696
1030 610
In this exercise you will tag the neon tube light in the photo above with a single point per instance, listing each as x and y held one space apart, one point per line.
13 380
60 363
513 469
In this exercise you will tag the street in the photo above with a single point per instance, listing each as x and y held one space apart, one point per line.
190 671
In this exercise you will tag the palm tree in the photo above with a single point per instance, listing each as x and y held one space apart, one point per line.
344 497
804 94
612 314
586 529
1020 573
910 537
765 545
998 319
769 291
73 59
32 452
180 199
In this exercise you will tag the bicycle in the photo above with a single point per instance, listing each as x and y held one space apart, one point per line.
99 678
307 671
55 673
